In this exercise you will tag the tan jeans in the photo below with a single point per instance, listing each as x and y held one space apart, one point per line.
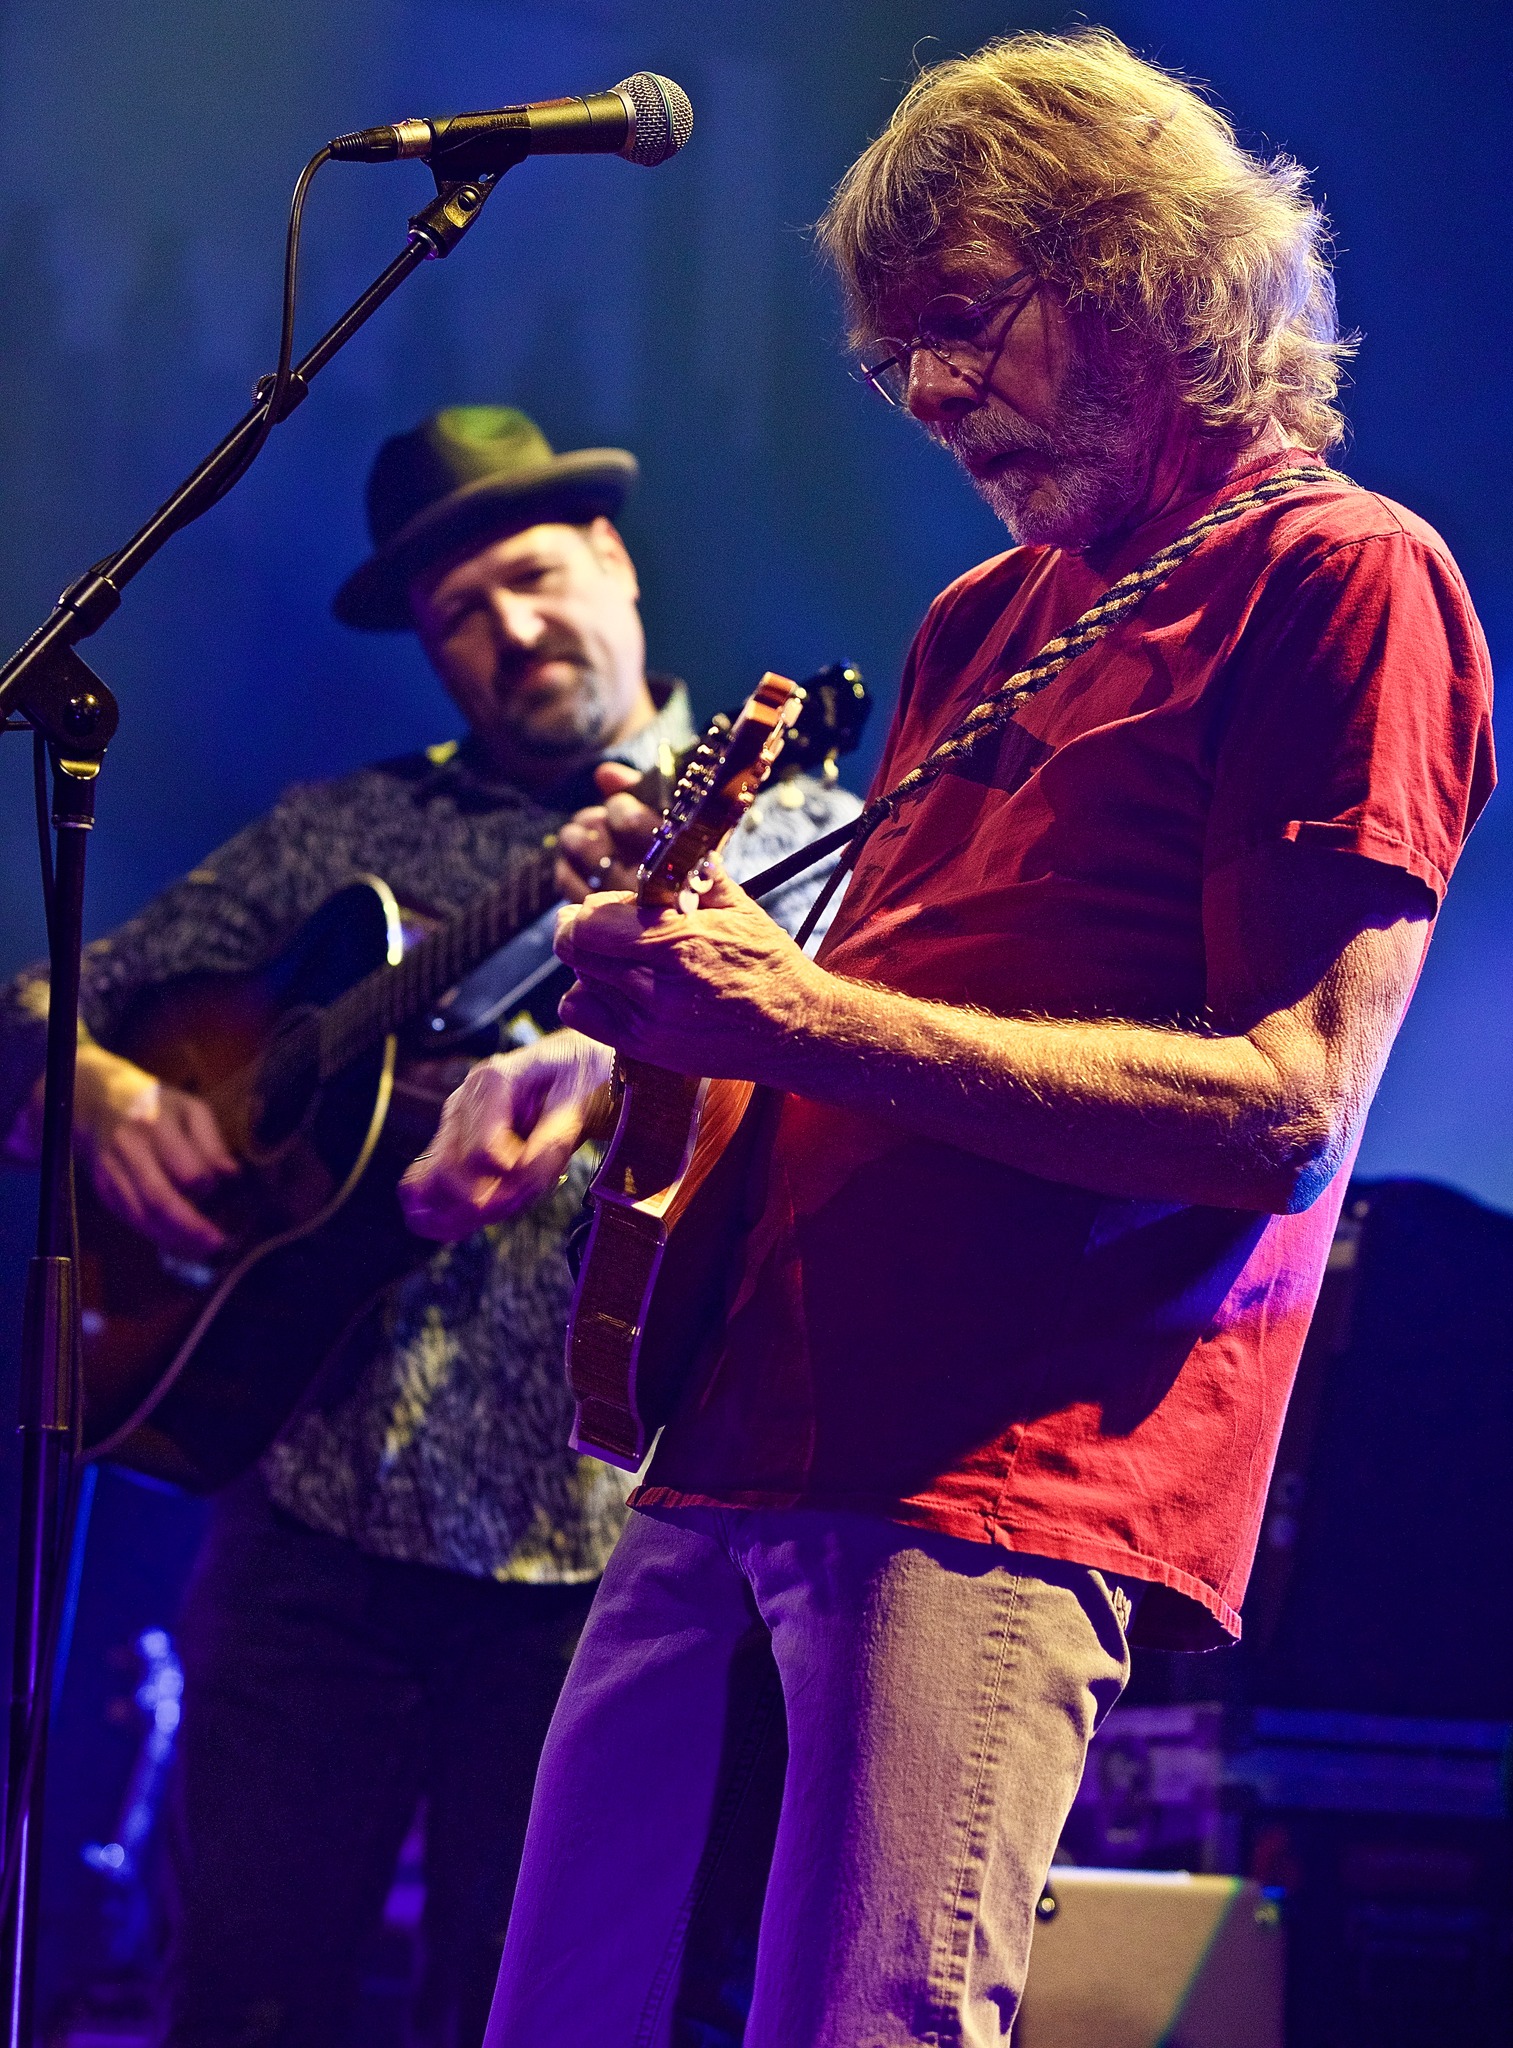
939 1697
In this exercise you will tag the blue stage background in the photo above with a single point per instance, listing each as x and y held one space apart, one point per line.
146 154
145 158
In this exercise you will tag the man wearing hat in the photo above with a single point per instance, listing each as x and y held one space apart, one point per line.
383 1613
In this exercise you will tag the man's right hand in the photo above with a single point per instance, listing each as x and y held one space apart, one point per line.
148 1148
506 1136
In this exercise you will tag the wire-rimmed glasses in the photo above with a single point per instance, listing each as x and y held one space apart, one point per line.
952 327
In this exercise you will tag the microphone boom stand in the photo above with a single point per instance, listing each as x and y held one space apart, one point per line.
47 686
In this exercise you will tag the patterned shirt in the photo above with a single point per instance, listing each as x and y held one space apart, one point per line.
449 1444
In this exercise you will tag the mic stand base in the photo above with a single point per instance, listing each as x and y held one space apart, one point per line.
70 697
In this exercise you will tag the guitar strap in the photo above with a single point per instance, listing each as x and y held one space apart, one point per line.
1004 699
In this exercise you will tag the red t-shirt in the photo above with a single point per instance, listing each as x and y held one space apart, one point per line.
922 1333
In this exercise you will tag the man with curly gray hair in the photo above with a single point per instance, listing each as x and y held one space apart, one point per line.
1055 1128
1191 277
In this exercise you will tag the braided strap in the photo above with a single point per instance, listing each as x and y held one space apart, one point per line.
994 711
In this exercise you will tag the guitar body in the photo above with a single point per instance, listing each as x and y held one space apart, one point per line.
192 1368
669 1200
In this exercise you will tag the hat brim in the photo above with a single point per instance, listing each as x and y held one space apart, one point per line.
588 483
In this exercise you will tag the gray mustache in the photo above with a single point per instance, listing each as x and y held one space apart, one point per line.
976 435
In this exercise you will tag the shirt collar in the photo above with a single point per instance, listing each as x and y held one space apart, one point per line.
671 727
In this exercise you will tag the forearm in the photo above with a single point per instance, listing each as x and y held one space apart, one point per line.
1126 1109
1258 1113
103 1084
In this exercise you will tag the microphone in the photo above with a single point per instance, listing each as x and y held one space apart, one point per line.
645 119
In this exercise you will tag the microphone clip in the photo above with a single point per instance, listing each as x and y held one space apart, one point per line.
442 224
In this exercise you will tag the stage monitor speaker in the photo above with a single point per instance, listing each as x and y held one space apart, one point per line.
1153 1959
1381 1576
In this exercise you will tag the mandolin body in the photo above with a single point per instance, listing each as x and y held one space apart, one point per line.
668 1208
668 1202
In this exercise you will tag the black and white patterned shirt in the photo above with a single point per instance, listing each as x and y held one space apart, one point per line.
450 1445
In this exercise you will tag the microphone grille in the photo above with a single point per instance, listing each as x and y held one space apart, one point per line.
663 118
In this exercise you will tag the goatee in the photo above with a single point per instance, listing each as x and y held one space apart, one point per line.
1068 484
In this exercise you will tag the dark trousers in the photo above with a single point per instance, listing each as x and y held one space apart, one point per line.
326 1693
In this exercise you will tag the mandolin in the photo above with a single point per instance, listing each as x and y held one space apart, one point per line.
192 1367
665 1202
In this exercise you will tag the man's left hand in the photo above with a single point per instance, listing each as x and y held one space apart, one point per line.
721 990
602 847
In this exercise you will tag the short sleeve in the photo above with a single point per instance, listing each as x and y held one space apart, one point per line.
1359 713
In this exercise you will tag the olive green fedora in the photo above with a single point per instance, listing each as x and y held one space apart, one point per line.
469 473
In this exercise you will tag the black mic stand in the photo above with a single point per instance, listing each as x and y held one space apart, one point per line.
48 687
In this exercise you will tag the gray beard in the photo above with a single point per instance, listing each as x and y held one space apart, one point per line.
1086 472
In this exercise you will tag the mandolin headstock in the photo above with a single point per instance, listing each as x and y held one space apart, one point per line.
725 772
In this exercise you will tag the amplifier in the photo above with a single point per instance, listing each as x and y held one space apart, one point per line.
1387 1834
1153 1959
1381 1576
1187 1786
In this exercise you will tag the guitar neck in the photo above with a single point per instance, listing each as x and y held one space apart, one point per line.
389 998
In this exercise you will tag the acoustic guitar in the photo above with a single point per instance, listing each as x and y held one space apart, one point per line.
665 1202
191 1367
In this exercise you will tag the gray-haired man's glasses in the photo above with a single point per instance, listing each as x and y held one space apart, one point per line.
953 328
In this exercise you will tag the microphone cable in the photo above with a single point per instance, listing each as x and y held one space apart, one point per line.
271 391
274 390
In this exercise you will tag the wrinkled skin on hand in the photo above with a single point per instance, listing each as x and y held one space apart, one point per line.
507 1134
706 993
719 991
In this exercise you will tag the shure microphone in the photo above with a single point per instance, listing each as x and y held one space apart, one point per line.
645 119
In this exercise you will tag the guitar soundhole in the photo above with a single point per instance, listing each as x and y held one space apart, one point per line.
284 1092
